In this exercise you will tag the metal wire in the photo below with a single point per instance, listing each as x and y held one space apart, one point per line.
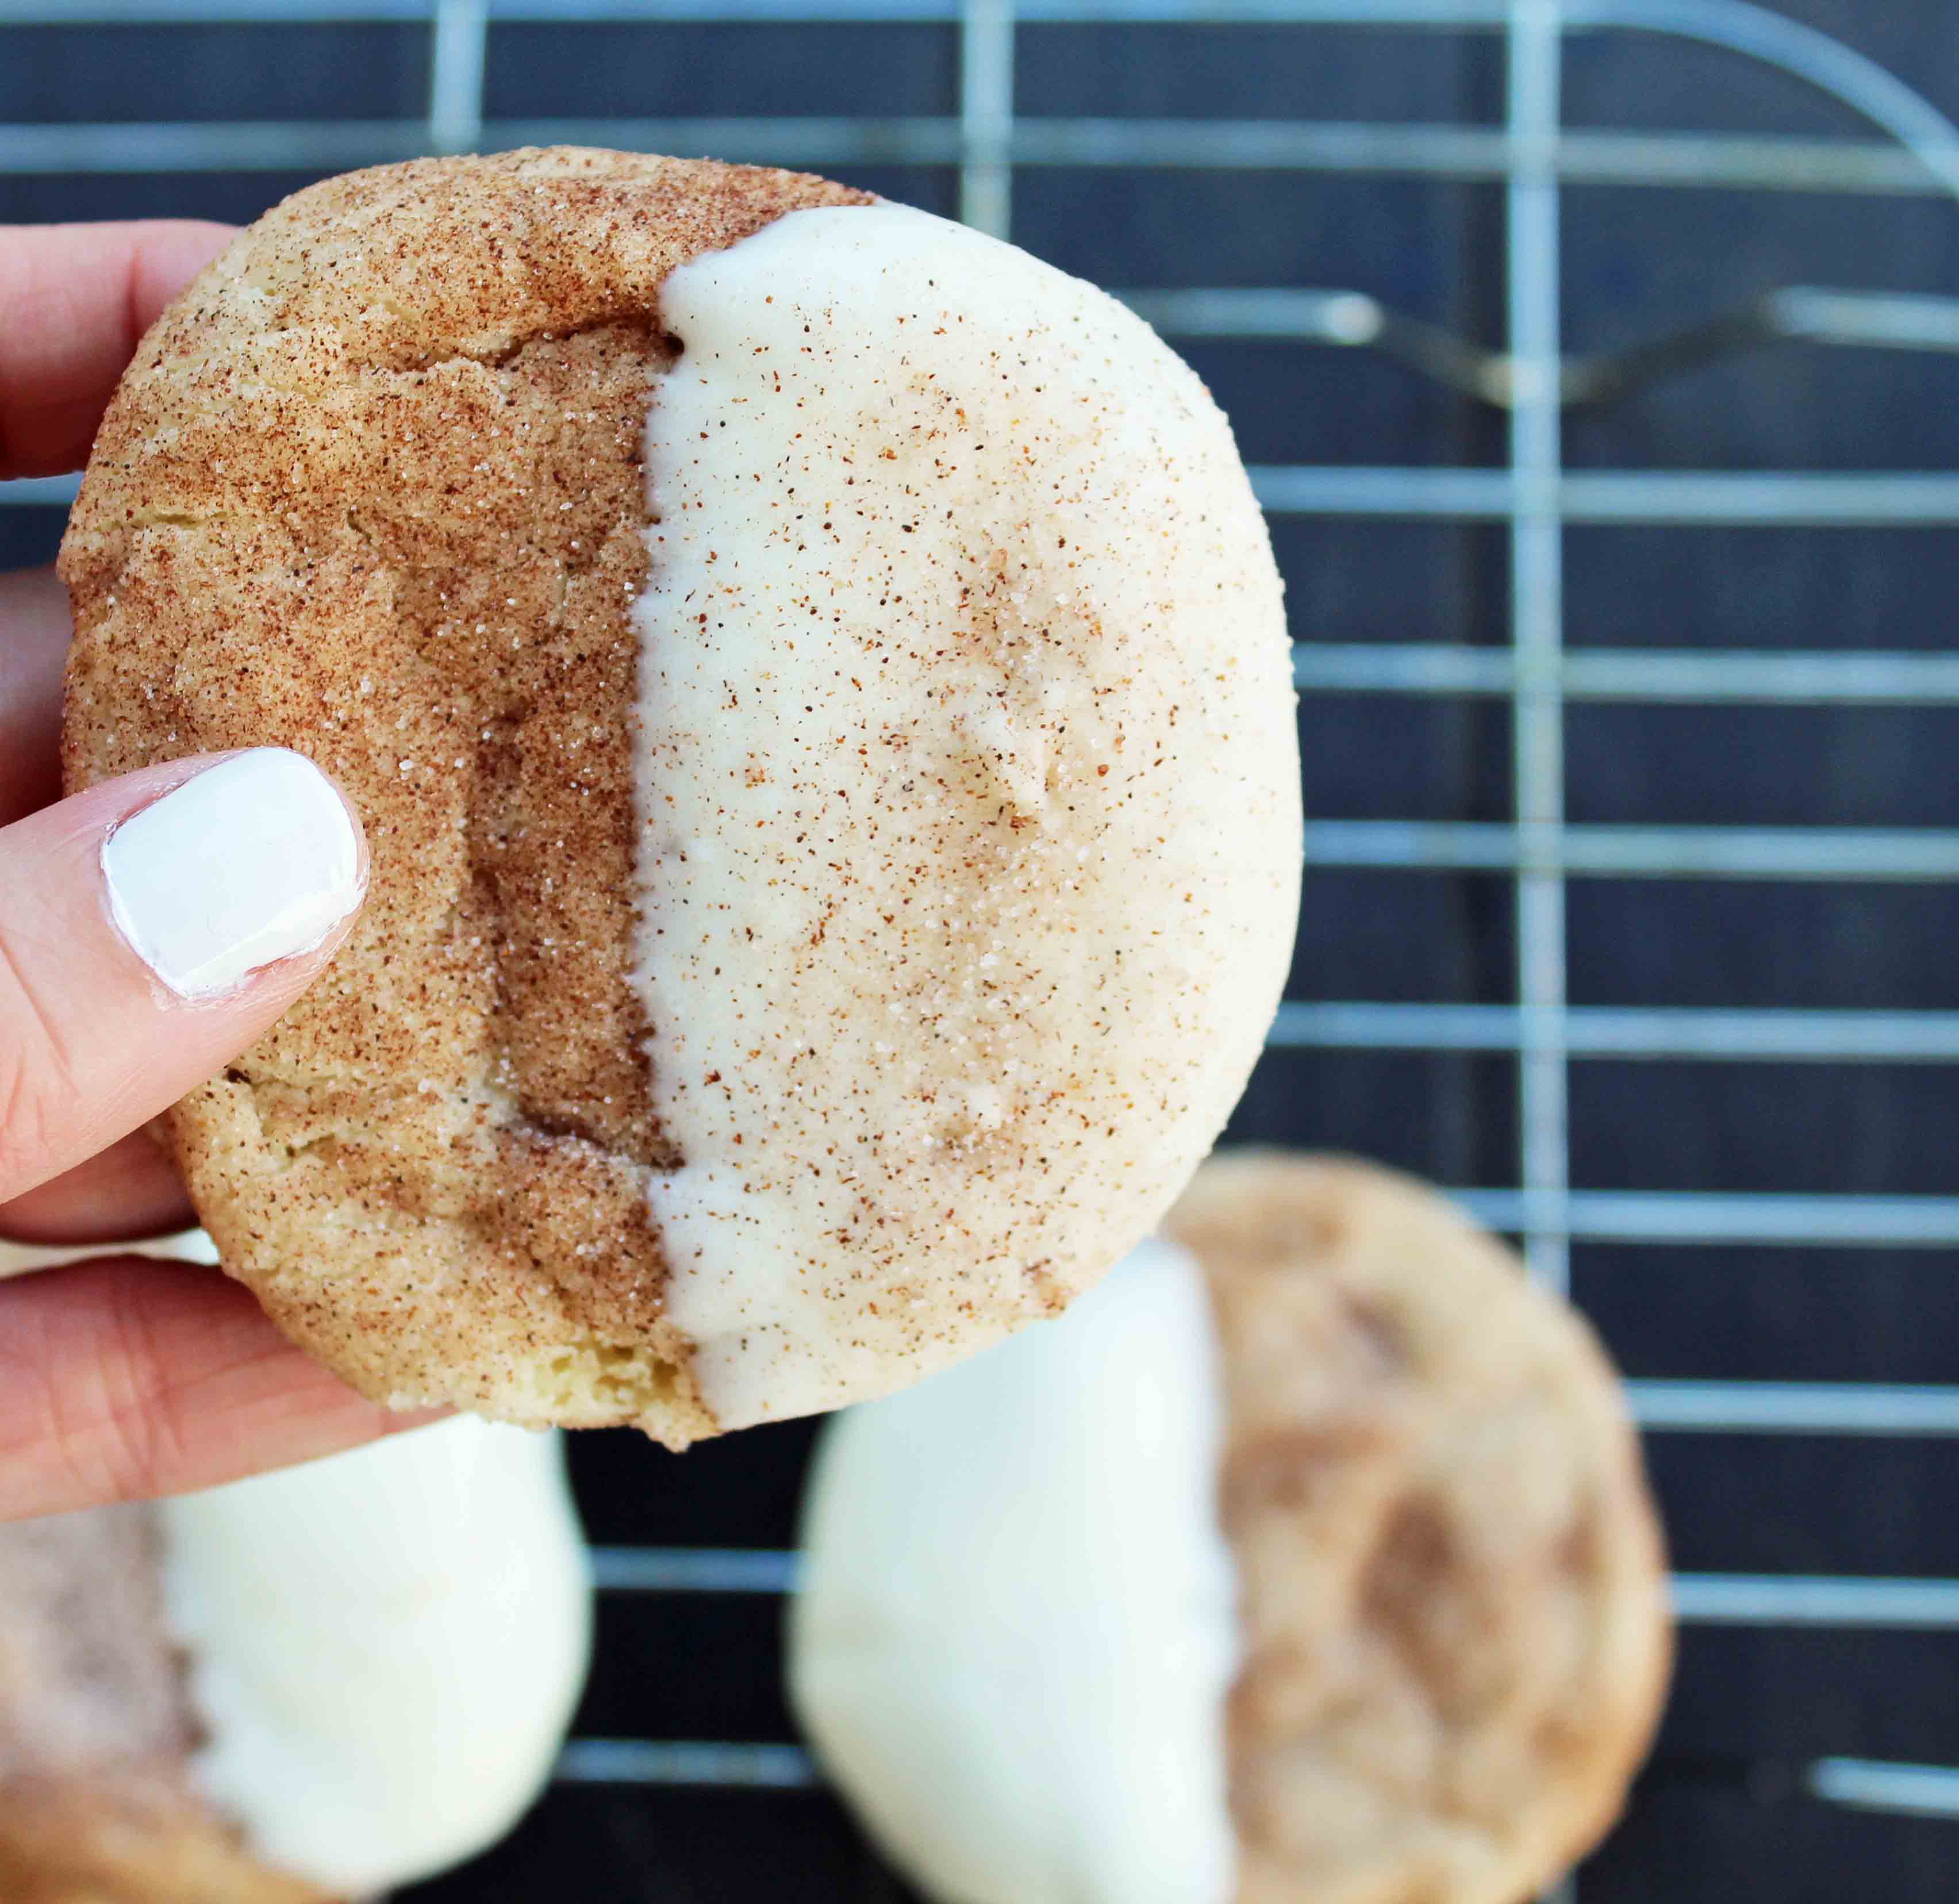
1630 1031
455 76
1868 1785
1535 47
986 115
1835 855
1708 1599
1351 319
1656 498
1675 161
1760 1217
683 1761
1704 677
1534 157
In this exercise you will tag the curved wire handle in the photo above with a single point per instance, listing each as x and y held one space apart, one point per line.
1797 312
1351 320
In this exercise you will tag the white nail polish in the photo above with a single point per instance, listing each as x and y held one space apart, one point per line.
255 859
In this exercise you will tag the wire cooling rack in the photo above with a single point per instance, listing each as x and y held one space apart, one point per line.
1532 498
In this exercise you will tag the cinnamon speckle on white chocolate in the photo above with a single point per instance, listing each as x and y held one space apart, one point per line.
968 802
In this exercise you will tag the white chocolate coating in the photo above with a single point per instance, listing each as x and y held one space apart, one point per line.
386 1647
1016 1626
969 792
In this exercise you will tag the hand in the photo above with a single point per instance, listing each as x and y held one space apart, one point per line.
150 929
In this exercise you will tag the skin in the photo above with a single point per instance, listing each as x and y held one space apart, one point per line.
121 1377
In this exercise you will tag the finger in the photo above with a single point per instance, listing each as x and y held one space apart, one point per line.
122 1379
150 929
74 301
34 632
130 1190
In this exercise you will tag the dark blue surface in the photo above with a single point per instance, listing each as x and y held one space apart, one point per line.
1719 1815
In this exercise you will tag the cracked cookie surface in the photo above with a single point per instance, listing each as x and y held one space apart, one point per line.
373 489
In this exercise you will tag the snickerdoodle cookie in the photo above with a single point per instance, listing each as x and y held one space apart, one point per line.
815 683
1309 1557
311 1686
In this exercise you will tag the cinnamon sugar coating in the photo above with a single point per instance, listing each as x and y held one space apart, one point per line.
372 490
1452 1588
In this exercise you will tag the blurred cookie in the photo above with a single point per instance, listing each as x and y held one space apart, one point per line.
95 1731
815 683
1310 1557
312 1686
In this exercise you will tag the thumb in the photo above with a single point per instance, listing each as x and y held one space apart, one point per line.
150 928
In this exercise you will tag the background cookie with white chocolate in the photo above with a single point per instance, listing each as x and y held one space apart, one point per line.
1310 1557
312 1686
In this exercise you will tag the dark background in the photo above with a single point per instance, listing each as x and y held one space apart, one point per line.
1718 1814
